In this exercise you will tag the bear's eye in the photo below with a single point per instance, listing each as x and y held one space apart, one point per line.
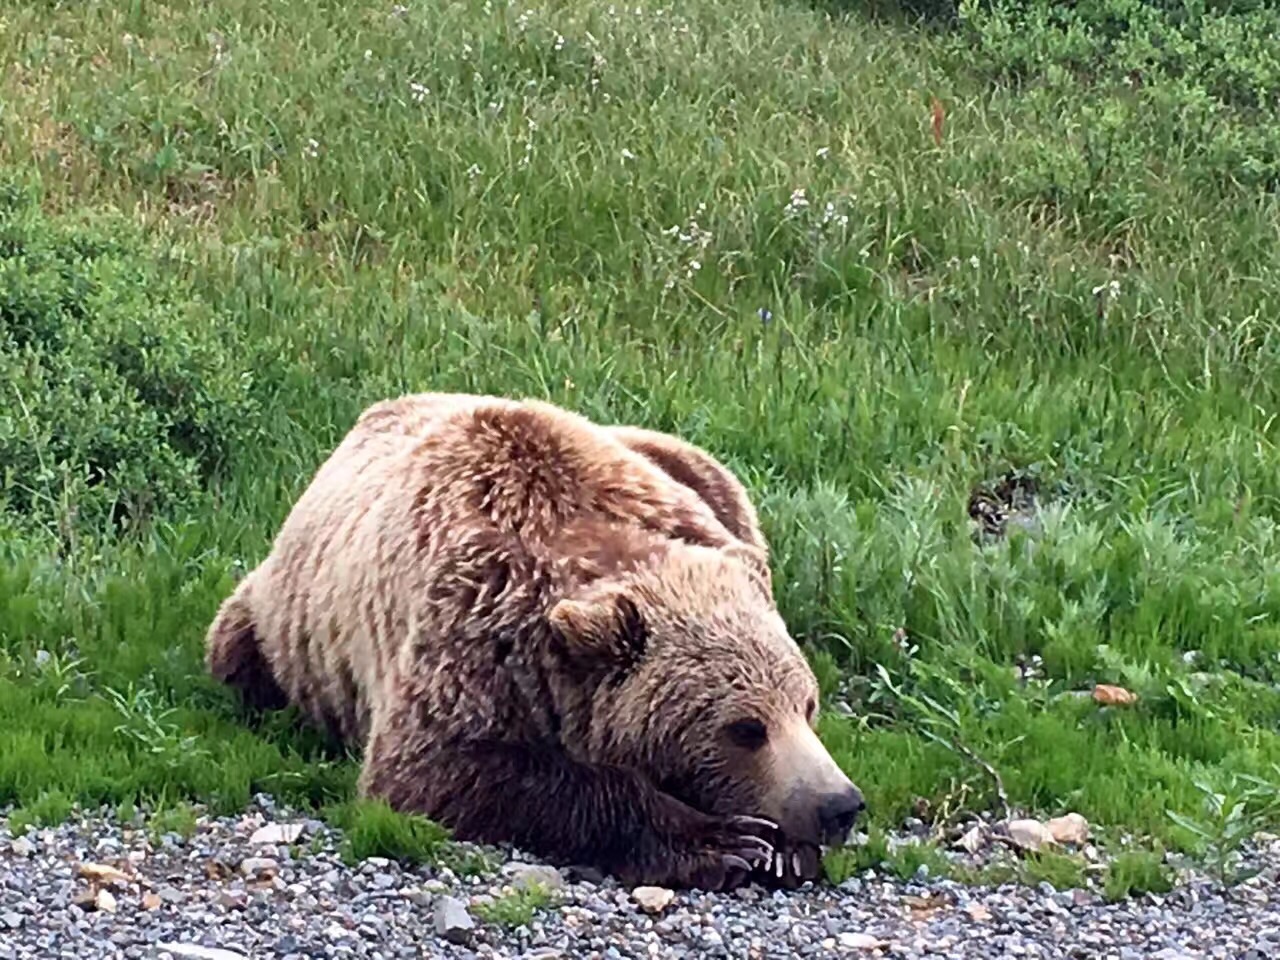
810 709
748 734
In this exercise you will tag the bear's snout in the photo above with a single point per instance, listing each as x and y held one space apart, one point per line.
819 803
837 813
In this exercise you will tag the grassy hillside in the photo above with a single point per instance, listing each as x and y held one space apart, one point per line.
895 272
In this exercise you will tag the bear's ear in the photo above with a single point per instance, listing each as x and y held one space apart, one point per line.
757 563
606 625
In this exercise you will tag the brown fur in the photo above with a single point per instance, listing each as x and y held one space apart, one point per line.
539 630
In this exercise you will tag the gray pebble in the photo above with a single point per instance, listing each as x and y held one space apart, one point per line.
320 909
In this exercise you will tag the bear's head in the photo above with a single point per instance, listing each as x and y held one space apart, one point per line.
684 669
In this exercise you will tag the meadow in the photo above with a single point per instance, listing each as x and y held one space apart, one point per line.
899 267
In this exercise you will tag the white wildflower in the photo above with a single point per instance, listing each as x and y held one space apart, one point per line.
313 148
831 215
418 91
627 154
823 152
797 202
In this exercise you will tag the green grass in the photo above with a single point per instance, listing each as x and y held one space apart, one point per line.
318 205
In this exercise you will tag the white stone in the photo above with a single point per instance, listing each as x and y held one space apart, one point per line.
1071 828
859 941
1030 834
653 899
276 833
192 951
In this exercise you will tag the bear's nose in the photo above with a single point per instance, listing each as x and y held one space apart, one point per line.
839 812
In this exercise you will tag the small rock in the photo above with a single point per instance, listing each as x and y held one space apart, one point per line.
527 874
22 848
102 873
1112 696
418 897
151 901
1029 834
11 920
452 920
105 901
274 833
653 899
978 911
1072 828
972 840
859 941
259 868
192 951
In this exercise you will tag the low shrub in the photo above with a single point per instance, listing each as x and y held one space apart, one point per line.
121 391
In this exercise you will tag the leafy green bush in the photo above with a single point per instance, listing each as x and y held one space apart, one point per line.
1196 83
121 392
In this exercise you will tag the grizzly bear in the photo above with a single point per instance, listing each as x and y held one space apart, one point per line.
546 633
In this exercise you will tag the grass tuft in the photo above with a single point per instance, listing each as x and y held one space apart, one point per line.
515 908
1134 872
372 829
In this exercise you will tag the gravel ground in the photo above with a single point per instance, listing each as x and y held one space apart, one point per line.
219 896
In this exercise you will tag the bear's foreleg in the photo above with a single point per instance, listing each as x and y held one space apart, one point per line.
234 655
542 801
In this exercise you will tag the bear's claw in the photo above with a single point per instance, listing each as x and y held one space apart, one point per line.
744 821
792 866
747 844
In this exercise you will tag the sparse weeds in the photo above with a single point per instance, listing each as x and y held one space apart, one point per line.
176 818
1134 872
516 907
1063 871
1230 816
47 809
908 860
148 725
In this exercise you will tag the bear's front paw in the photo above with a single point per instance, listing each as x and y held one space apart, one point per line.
722 853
